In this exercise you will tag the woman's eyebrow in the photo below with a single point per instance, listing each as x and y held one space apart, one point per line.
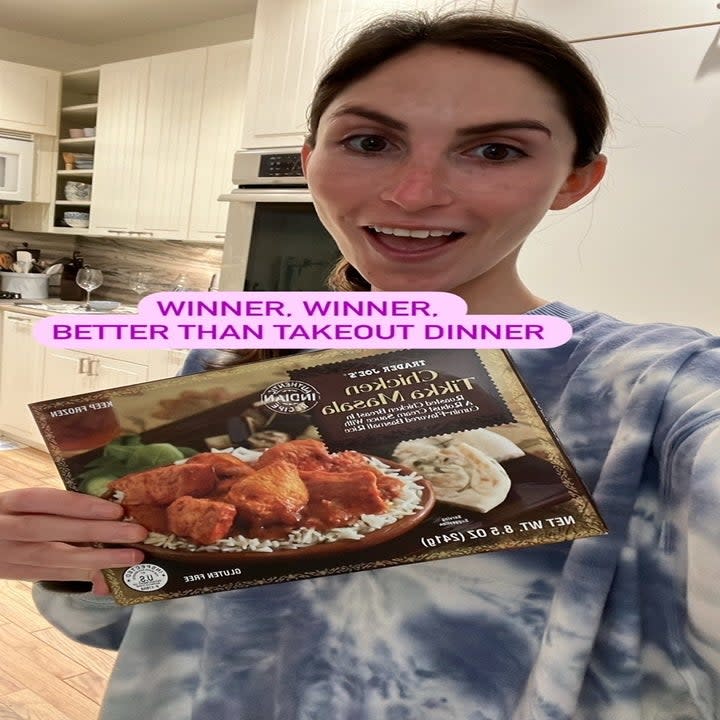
505 125
388 121
368 114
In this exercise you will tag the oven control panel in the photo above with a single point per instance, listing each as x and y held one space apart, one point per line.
283 165
258 168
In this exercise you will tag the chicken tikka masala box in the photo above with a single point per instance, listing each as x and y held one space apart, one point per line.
317 464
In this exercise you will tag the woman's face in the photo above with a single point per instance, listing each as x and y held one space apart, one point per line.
431 171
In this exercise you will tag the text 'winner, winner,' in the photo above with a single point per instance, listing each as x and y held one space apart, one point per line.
302 320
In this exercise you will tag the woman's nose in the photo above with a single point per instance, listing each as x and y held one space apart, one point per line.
415 187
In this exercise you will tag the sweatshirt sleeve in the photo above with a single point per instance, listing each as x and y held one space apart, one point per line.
688 449
89 619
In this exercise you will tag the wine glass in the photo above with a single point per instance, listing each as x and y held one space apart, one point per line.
89 279
140 282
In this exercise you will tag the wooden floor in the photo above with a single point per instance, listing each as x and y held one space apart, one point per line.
43 674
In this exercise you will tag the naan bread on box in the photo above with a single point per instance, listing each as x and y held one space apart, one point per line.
463 468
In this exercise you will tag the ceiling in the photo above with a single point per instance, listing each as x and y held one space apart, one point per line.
91 22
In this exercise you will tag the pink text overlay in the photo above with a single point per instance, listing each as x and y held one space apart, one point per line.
302 320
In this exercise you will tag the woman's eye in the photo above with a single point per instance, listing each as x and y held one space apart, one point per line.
367 143
497 152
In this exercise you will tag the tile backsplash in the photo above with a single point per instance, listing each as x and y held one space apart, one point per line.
118 258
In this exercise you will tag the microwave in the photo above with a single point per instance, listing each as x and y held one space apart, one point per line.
16 166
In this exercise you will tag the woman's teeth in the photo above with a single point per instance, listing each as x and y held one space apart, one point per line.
404 232
418 240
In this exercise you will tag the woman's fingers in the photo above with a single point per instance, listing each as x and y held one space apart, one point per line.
41 528
58 561
52 501
38 527
62 555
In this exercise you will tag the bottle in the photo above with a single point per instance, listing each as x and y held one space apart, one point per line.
69 289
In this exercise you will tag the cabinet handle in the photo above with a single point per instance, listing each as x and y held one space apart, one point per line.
220 237
81 366
93 364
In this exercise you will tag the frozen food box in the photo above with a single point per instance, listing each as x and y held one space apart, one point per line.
319 463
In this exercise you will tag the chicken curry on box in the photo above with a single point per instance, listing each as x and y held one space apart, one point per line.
316 464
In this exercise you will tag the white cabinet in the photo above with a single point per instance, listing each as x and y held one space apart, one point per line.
292 42
118 145
21 373
29 98
146 147
220 135
582 19
70 372
169 154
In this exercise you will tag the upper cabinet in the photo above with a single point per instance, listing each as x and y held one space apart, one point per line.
29 98
580 20
167 127
220 135
147 135
293 41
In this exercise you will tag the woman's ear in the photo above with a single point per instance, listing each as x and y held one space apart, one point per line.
304 156
579 183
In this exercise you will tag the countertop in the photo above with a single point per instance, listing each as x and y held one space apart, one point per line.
53 306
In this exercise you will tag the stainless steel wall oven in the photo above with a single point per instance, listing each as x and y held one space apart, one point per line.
274 239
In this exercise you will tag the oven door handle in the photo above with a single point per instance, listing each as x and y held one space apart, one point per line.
258 196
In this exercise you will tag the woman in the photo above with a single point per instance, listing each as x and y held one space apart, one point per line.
435 147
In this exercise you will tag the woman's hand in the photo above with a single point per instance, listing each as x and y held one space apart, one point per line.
45 535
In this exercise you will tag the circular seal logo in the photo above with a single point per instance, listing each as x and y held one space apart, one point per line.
290 396
145 577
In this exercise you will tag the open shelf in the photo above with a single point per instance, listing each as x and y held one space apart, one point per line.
79 110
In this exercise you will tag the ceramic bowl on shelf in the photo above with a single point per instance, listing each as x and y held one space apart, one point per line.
75 190
76 132
89 132
76 219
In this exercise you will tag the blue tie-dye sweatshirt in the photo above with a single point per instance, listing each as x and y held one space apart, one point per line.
621 627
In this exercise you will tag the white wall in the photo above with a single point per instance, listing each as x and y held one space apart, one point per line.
646 246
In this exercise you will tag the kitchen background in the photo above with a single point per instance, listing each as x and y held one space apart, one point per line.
119 258
183 85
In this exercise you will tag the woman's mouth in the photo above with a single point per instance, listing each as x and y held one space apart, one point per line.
407 241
